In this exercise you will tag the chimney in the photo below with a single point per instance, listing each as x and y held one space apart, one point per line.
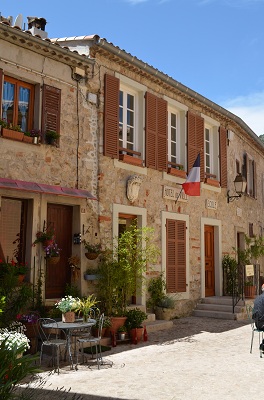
37 26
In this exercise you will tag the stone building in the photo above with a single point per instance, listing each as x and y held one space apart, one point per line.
129 135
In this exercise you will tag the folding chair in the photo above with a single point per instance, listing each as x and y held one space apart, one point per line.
50 337
93 341
254 328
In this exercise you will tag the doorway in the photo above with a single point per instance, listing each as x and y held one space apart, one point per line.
209 261
59 217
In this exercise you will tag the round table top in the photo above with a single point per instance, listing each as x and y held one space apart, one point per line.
78 324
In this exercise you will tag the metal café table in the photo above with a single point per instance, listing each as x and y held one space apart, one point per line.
68 328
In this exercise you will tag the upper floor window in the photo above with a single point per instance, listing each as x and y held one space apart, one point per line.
17 103
250 173
127 123
176 139
211 152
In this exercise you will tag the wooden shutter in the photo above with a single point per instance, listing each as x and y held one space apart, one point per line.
51 108
111 116
162 119
176 256
1 90
246 171
195 127
223 156
156 132
254 179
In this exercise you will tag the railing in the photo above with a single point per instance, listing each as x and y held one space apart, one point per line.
234 284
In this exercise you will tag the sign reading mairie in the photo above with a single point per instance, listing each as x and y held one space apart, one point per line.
171 193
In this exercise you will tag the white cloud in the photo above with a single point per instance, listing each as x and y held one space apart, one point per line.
250 108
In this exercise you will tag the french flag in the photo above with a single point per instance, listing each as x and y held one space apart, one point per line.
192 184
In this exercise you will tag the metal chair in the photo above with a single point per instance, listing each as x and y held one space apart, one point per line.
254 328
94 313
93 341
50 337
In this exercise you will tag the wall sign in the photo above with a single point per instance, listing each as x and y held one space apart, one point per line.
212 204
171 193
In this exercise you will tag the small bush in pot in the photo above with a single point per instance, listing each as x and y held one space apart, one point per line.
135 317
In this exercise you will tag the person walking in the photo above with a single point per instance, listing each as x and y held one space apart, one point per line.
258 310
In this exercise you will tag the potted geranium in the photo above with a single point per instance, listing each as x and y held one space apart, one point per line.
92 250
68 305
45 237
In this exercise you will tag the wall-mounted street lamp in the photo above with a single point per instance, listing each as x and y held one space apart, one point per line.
240 187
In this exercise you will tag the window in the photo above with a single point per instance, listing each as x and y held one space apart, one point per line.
211 152
17 103
250 173
172 137
127 122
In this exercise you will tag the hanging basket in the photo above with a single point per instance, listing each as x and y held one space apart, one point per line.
53 260
91 256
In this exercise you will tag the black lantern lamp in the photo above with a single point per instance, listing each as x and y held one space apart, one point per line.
240 187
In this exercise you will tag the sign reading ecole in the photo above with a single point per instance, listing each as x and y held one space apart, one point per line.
172 193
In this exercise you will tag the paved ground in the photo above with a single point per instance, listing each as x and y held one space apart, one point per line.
198 359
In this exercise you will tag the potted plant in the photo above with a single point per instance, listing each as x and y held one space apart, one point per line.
51 136
11 131
91 274
122 332
35 134
68 305
92 250
52 253
45 237
121 271
84 306
134 320
27 138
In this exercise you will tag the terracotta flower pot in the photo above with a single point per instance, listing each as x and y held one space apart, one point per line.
91 256
68 316
53 260
10 134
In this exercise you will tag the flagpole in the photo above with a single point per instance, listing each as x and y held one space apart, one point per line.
178 195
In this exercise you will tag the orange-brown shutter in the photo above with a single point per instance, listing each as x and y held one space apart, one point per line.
1 90
200 143
111 116
176 256
162 118
246 171
51 108
195 126
156 132
223 156
254 179
151 131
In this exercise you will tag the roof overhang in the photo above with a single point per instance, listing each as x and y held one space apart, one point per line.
45 189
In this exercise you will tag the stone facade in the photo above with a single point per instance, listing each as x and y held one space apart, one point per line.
79 161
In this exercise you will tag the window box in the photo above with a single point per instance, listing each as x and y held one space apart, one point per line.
130 160
28 139
177 172
14 135
212 182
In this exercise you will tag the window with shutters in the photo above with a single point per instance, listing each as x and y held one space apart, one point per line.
17 103
123 119
176 255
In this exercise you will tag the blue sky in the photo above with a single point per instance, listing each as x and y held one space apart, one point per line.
215 47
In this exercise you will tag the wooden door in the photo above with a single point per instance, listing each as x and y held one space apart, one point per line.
209 261
57 276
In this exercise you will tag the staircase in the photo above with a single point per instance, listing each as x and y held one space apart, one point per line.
221 307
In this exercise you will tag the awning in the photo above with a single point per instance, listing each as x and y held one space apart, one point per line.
46 189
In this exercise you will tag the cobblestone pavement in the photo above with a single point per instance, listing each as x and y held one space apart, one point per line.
198 358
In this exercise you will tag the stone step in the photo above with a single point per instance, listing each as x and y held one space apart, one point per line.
214 314
224 300
218 307
158 325
151 317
